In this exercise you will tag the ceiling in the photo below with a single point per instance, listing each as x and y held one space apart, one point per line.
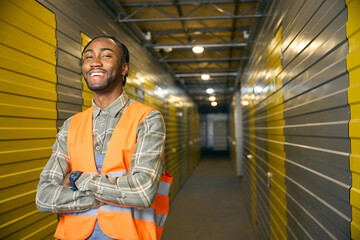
224 28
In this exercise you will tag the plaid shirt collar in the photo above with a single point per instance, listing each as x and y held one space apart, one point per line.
114 108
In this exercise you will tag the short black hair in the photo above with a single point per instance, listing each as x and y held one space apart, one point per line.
126 57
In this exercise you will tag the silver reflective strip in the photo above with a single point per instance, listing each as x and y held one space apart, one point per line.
89 213
144 214
93 173
141 214
164 188
116 174
160 220
113 208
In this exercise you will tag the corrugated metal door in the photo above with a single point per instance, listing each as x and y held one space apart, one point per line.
309 149
220 135
353 66
27 115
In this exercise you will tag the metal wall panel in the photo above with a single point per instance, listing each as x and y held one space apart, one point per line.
233 134
28 115
42 86
299 87
353 66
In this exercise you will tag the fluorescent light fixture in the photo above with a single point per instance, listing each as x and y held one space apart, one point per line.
210 90
198 49
213 104
245 103
205 76
212 98
258 89
167 49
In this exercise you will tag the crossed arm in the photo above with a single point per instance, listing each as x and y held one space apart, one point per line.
137 189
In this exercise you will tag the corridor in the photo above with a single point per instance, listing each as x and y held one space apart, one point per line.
209 205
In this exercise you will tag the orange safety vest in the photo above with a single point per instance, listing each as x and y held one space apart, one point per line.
118 222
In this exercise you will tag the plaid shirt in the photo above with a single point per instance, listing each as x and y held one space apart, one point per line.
137 189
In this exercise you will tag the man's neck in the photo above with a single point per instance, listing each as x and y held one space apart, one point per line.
104 100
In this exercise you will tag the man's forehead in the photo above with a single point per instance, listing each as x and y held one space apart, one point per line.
103 42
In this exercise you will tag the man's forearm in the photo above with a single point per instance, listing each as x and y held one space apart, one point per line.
57 199
137 190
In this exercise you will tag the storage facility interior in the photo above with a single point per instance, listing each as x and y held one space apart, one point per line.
275 86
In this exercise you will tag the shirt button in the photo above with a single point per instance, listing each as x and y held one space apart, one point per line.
102 124
97 148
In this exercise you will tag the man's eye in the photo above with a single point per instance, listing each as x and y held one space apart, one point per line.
88 57
106 56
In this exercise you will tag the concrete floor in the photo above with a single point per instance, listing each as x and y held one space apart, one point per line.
209 205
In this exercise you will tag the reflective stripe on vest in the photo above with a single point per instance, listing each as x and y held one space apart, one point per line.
141 214
115 221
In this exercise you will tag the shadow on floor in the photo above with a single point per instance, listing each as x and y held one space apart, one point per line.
209 204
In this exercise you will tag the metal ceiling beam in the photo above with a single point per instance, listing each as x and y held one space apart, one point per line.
180 61
191 45
217 80
216 90
211 74
194 2
205 87
200 30
124 20
208 70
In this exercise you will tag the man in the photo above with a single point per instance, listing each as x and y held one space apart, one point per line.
107 162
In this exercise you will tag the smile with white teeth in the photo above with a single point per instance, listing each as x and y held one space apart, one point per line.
96 74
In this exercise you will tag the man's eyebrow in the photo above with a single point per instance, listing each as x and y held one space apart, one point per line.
101 49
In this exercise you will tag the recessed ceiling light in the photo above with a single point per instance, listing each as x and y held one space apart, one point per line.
210 90
198 49
212 98
205 76
213 104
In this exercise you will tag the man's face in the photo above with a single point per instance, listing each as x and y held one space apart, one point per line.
102 65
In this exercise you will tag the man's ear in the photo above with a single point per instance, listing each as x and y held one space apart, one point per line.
125 69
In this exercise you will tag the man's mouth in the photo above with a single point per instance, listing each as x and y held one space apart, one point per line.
96 74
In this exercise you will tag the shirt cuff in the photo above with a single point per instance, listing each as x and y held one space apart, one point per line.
83 181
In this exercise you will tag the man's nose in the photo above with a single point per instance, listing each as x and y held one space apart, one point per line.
96 62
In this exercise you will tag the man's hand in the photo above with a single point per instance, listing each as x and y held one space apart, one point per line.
66 182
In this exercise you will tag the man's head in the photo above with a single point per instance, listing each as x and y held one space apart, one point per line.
105 63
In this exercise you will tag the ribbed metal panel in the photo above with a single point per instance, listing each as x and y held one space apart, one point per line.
183 142
27 116
172 146
232 133
41 86
353 66
146 79
236 134
301 78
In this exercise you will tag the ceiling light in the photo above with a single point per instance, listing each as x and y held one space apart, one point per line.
198 49
210 90
212 98
246 34
245 103
258 89
213 104
205 76
167 49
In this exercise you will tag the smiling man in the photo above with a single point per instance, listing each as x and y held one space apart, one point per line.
107 162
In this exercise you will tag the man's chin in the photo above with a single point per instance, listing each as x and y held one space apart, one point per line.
97 88
101 88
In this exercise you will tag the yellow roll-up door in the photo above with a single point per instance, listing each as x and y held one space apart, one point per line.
27 115
353 66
